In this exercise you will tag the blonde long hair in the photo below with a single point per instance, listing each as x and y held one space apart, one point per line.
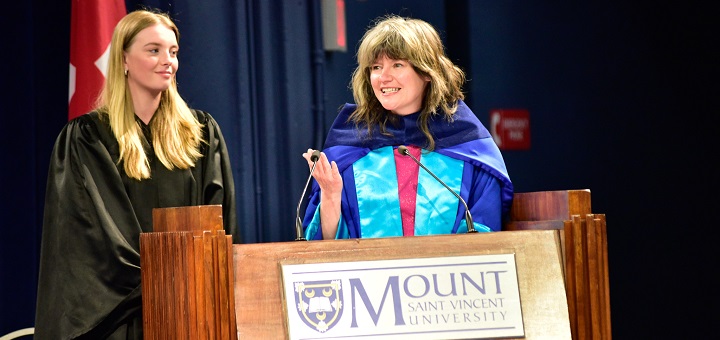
417 42
176 133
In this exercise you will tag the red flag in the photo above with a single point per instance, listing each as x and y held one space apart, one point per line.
91 27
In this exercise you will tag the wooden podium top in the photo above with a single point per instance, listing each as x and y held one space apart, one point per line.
192 218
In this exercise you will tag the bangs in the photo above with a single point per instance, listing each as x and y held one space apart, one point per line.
388 42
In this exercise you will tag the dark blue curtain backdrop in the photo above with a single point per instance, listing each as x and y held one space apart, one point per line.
620 97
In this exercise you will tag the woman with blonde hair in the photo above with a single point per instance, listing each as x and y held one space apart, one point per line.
141 148
408 107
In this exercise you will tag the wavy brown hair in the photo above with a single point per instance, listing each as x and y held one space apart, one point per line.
417 42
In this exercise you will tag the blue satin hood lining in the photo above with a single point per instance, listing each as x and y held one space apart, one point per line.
377 191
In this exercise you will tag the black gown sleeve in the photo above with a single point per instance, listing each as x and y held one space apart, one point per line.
89 263
217 180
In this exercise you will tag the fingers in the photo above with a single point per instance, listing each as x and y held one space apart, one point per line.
334 169
326 173
323 167
323 164
335 182
307 154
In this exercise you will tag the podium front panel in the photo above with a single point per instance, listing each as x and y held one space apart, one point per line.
259 298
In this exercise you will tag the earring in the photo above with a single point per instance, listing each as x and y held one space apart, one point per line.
126 72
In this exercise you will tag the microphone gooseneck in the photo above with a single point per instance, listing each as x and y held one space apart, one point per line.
403 150
298 223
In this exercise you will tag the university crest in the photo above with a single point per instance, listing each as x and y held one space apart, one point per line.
319 303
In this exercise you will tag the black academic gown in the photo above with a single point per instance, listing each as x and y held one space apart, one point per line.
89 281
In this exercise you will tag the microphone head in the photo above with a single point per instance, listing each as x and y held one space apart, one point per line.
315 155
402 149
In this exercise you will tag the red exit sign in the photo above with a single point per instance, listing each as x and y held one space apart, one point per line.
510 128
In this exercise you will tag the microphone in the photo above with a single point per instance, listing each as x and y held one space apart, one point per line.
468 218
298 223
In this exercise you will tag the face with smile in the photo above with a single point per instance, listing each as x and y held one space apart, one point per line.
151 60
397 86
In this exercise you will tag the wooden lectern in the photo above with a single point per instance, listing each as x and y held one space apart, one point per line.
585 258
194 282
187 281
